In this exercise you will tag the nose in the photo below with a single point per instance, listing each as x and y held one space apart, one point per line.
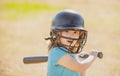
71 35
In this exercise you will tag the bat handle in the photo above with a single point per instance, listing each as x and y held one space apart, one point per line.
100 55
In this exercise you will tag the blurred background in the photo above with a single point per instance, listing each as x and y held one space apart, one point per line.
25 23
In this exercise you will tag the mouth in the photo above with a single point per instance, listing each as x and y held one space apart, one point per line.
69 41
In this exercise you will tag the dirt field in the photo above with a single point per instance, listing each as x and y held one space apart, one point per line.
22 34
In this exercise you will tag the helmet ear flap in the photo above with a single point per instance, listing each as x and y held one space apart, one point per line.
53 35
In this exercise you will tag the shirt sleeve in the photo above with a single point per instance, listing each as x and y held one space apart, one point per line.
56 54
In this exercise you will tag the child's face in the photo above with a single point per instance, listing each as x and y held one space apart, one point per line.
70 34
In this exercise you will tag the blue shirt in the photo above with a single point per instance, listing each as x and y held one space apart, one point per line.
55 69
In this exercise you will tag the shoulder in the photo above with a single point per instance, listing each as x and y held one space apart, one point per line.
56 54
58 50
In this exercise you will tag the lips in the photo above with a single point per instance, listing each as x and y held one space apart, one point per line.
69 41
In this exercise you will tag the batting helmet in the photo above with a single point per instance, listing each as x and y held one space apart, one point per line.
68 20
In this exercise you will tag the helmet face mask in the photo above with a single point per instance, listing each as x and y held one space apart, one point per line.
76 43
68 20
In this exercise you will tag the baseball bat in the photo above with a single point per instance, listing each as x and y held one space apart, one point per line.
41 59
35 59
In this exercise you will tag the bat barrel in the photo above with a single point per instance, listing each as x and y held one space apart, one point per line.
35 59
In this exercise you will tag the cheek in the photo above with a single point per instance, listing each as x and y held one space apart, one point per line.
63 41
74 41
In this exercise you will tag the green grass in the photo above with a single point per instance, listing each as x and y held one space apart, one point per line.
13 11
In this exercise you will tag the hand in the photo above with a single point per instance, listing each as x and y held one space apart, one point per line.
83 55
94 53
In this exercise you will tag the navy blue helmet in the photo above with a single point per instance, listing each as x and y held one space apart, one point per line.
68 20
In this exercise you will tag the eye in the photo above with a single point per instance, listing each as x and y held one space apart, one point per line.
75 32
66 31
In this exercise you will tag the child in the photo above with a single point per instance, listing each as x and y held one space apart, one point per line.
67 38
